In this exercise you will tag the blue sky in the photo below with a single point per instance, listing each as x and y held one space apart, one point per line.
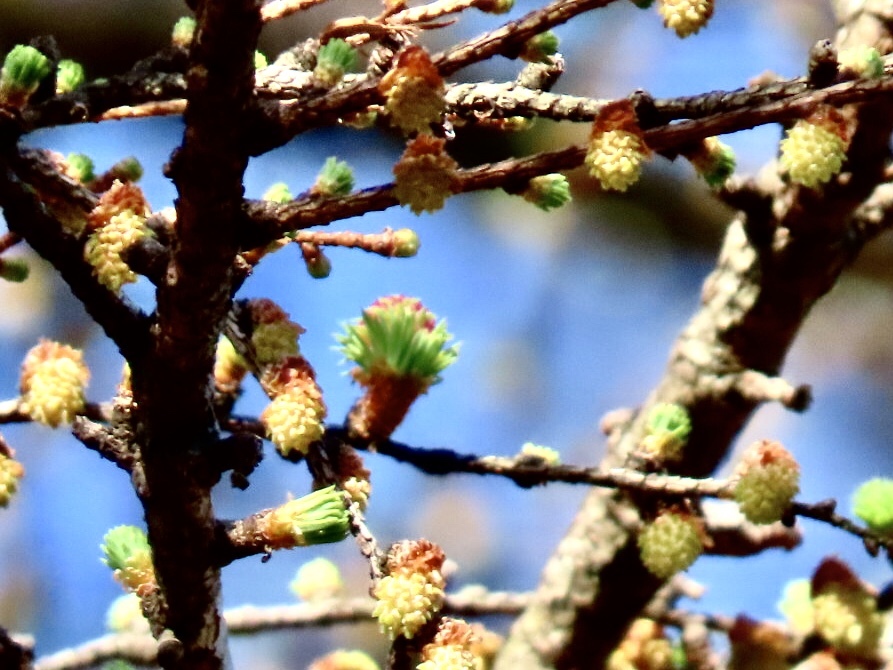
561 318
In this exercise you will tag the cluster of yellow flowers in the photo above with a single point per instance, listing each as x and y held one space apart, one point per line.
686 17
52 383
413 590
116 224
617 147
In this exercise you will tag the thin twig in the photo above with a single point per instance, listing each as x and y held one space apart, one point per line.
507 39
279 9
249 619
431 11
155 108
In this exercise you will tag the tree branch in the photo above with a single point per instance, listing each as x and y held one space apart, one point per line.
30 218
174 421
752 307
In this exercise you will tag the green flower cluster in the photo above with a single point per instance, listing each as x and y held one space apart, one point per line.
667 431
398 336
317 518
873 503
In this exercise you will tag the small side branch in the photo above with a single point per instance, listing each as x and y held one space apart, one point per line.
279 9
508 39
731 535
759 387
825 511
97 437
132 647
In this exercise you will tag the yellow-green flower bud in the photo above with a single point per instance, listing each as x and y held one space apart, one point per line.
644 646
615 158
229 367
406 243
862 60
116 224
714 161
548 191
125 615
69 75
335 57
406 602
359 489
316 580
539 48
278 193
183 32
11 471
686 17
424 175
414 91
769 478
873 503
274 336
335 178
667 431
14 269
315 260
52 383
669 544
80 167
105 248
318 518
847 618
451 648
546 455
126 551
812 153
260 61
23 70
293 420
413 591
796 606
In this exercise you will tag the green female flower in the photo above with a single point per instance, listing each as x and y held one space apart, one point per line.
873 503
317 518
23 70
335 178
69 75
126 551
667 431
400 350
335 58
548 191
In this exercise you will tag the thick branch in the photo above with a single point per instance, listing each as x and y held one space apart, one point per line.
752 307
175 423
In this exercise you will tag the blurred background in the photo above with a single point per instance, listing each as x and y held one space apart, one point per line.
562 317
